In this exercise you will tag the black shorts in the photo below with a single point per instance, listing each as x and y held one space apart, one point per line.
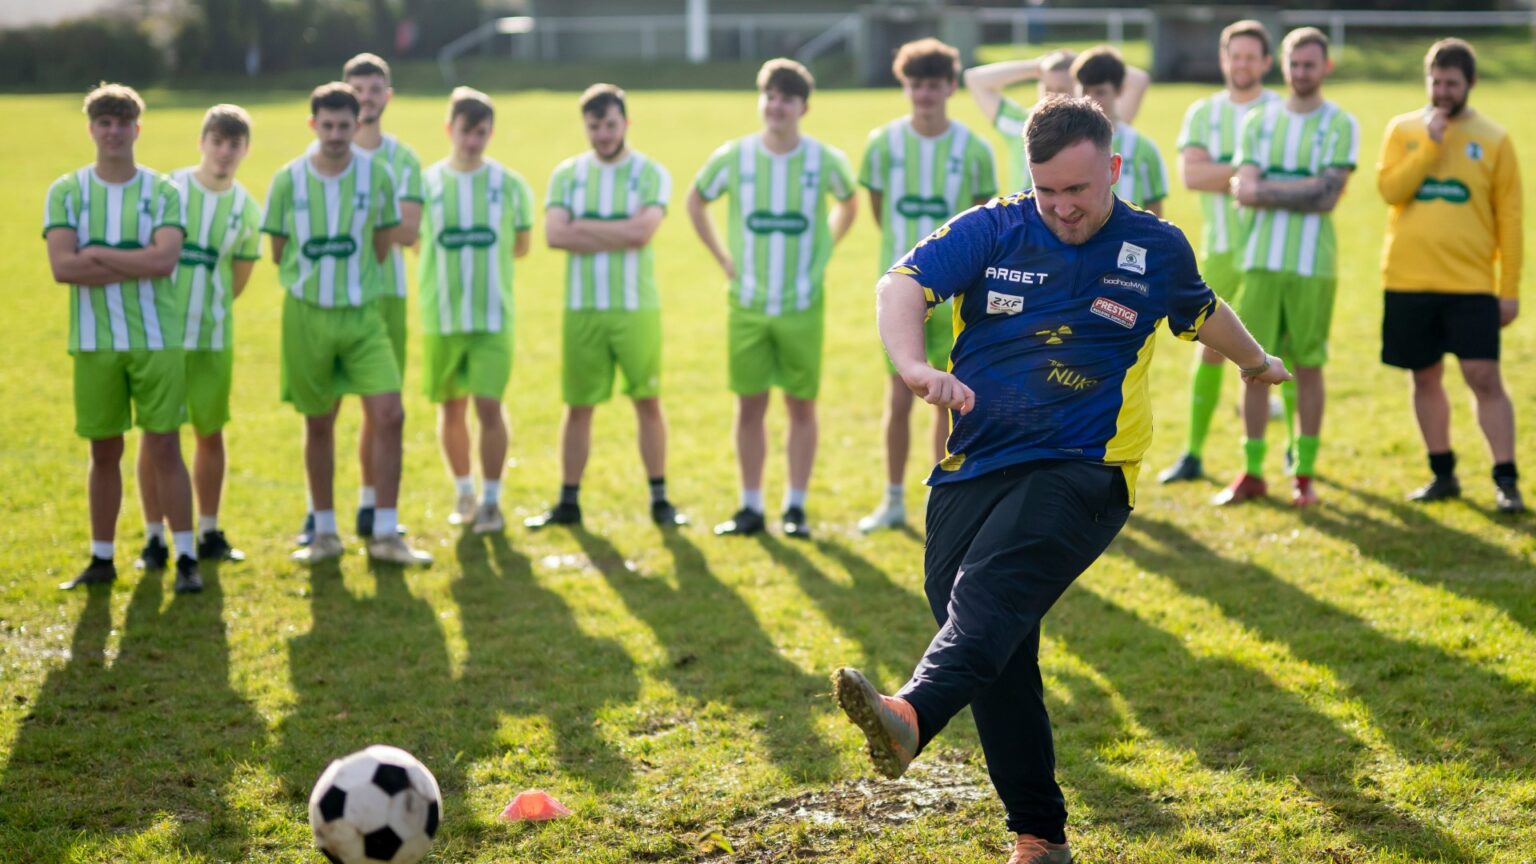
1420 327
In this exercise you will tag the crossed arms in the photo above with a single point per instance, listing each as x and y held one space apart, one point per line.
104 265
564 230
1311 195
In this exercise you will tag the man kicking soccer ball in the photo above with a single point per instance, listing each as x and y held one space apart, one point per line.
1048 438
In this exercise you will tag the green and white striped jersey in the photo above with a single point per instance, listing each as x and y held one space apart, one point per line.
1288 146
1212 124
468 227
222 227
137 314
329 224
589 188
924 181
1143 176
405 168
1010 120
779 237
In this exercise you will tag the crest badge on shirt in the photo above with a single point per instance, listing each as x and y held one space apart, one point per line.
1133 258
1474 150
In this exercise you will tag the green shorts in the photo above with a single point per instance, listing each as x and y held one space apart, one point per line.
1288 315
393 310
776 350
329 353
938 337
210 376
1223 271
467 364
597 340
113 388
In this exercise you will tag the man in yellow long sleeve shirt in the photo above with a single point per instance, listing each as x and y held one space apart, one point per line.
1449 177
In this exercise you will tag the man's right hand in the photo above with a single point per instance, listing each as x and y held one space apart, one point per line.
939 388
1439 119
729 267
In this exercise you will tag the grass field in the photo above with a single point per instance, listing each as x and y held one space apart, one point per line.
1352 684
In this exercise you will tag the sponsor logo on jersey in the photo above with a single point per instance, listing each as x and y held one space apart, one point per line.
1068 377
316 248
1023 277
1109 310
1451 190
194 255
916 207
1004 304
767 222
1132 258
1129 284
457 238
1055 336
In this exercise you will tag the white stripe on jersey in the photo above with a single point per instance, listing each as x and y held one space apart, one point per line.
231 242
466 194
199 286
1311 226
577 205
147 309
83 295
778 202
298 178
493 255
116 316
605 177
362 197
897 142
746 166
959 141
1127 187
439 218
632 256
926 148
810 194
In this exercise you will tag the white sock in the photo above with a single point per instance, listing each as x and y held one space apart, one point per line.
464 485
752 499
101 549
154 529
325 521
206 524
366 497
185 545
385 520
896 495
492 491
794 498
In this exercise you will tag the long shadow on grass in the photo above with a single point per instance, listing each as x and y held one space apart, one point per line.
107 752
720 652
527 656
371 670
1417 546
1431 705
891 625
1233 718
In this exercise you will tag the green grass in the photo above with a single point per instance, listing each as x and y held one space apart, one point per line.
1353 684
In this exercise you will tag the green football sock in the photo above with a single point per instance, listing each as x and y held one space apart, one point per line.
1306 454
1204 393
1253 452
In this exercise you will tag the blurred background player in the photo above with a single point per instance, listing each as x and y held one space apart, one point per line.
1053 74
1100 75
477 219
114 235
781 233
1294 158
223 244
1207 143
369 77
603 208
330 215
1452 186
920 170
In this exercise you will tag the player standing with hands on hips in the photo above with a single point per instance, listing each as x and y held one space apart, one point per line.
1060 291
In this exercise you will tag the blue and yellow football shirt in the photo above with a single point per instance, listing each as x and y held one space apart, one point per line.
1055 339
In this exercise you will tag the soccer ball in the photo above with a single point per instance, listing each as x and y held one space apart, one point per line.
376 805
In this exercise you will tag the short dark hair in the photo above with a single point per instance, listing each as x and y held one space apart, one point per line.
336 96
1059 122
229 122
113 100
596 99
1304 36
1246 27
787 77
1099 65
926 58
366 64
1452 54
475 107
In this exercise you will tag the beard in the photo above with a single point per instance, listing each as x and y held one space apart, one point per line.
1452 109
611 152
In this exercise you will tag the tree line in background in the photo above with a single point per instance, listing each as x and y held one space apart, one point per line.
227 37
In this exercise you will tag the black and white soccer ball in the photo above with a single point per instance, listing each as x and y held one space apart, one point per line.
376 805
